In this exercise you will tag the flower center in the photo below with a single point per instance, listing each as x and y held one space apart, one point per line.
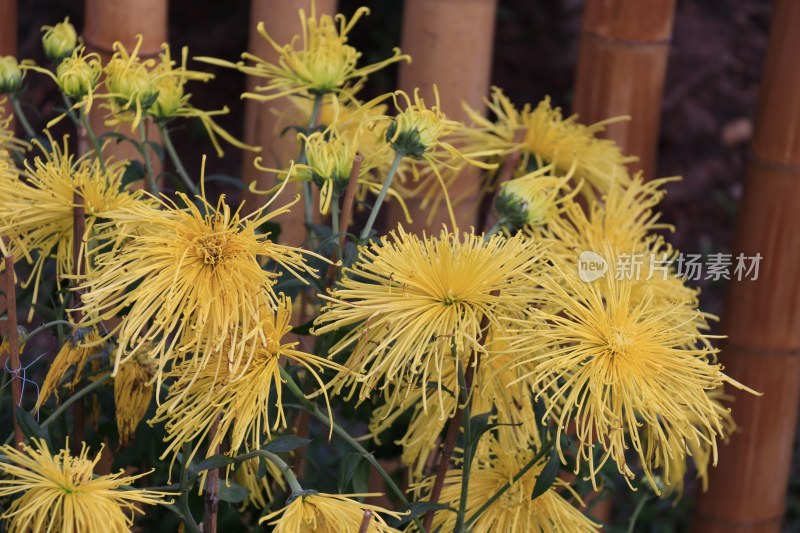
211 249
618 342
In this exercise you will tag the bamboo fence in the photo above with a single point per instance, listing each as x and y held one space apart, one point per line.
621 68
262 121
747 490
122 20
451 43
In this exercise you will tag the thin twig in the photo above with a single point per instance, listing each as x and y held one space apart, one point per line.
78 229
346 216
13 345
365 521
212 488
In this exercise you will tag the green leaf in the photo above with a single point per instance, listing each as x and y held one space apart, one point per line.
347 470
230 180
30 428
285 443
209 463
158 149
547 476
234 493
134 171
303 329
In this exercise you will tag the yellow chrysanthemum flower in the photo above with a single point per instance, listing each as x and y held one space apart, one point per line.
188 280
79 348
550 138
494 390
168 79
36 213
514 511
611 367
318 61
534 199
249 403
62 493
129 84
421 305
133 391
316 512
422 134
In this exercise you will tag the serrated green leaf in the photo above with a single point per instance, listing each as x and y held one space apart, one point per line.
209 463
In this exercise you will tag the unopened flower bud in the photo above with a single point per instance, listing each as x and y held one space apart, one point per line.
78 75
10 75
60 40
169 99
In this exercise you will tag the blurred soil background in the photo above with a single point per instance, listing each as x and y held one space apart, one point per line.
709 103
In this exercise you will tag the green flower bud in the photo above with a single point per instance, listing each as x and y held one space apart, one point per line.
78 75
10 75
169 99
60 40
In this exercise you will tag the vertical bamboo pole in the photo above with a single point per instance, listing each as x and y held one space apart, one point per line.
282 22
747 490
121 20
8 36
621 68
451 45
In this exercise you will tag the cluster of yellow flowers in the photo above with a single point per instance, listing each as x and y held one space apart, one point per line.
482 334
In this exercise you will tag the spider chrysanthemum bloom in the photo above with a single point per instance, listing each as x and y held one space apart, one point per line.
188 280
534 199
611 366
129 84
550 138
36 214
317 512
248 403
169 78
133 391
514 511
76 351
423 135
317 61
61 492
420 306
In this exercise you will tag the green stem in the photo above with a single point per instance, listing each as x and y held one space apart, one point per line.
466 424
285 469
398 157
74 398
497 226
637 512
308 199
43 327
322 417
152 183
176 160
186 484
507 485
20 114
335 215
98 149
